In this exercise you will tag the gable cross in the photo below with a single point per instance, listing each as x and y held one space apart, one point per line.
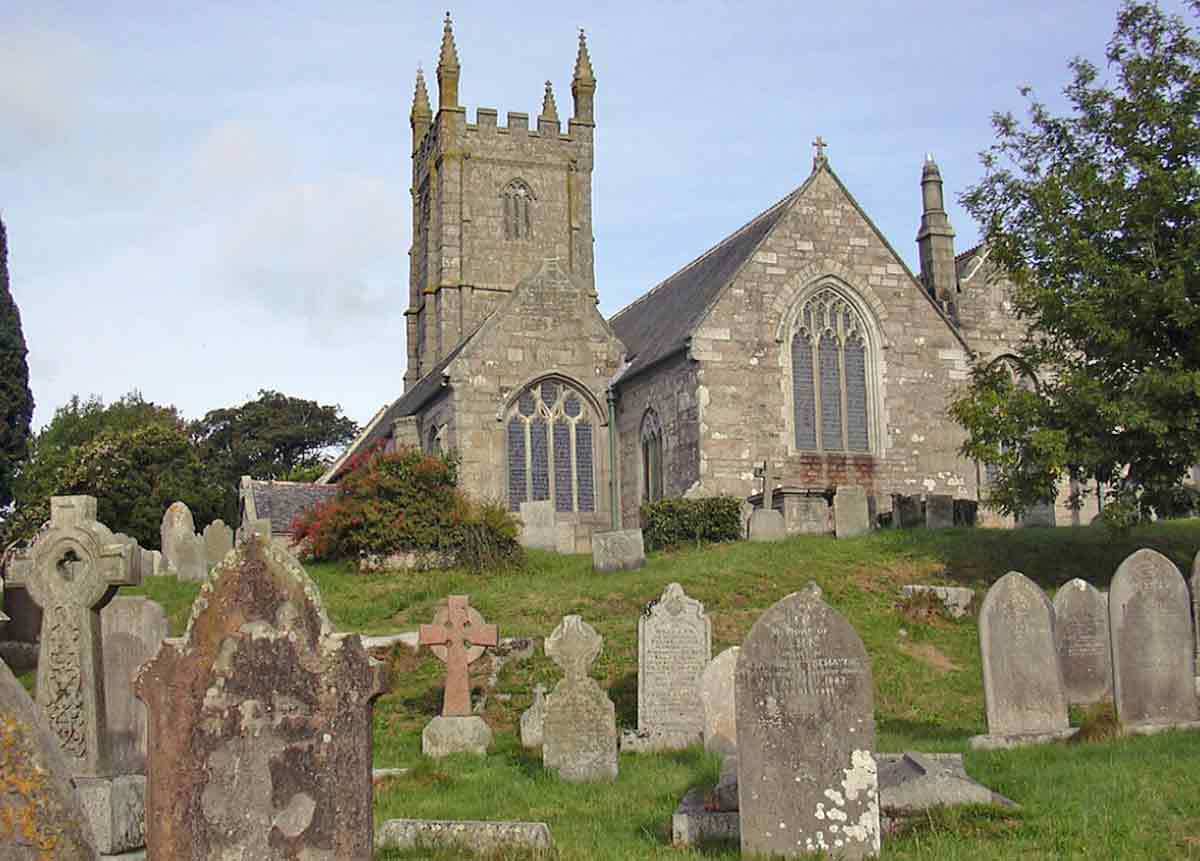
458 636
819 157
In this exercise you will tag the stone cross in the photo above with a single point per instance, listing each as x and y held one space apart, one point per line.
458 636
819 146
768 486
71 572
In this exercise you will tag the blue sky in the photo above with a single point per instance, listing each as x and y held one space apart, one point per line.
208 199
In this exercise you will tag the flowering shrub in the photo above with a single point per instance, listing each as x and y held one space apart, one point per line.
408 501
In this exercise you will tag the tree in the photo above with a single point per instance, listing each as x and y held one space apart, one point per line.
1095 219
274 437
16 401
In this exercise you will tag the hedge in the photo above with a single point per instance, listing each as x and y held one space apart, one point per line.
672 522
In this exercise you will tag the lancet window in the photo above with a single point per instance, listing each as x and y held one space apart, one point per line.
652 457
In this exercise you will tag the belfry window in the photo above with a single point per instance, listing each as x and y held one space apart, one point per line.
517 199
652 450
830 362
551 448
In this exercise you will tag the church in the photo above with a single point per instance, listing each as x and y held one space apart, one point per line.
802 338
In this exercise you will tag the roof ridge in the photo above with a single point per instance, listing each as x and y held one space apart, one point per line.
970 251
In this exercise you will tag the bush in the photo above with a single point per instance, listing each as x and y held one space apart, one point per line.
409 501
672 522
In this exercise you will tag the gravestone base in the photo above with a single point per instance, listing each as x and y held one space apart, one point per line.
632 741
1006 742
1156 728
116 809
619 550
693 823
473 837
447 735
766 524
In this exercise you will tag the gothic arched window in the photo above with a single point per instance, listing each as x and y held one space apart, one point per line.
830 362
652 449
551 448
517 198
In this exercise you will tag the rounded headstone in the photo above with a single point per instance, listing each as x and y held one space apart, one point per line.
717 694
1081 636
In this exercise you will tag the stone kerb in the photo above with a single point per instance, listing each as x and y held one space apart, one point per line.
579 730
807 779
1022 679
1152 644
1081 636
260 722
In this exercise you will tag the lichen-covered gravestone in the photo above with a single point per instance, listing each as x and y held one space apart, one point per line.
1151 627
851 515
674 647
182 549
579 732
218 540
717 695
134 628
1081 636
807 780
533 718
1022 680
260 722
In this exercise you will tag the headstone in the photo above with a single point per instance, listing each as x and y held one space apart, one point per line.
674 647
579 733
806 515
767 524
850 515
939 511
1022 680
1081 636
133 629
717 695
966 512
1041 514
71 573
218 540
1195 584
533 718
260 722
458 636
1151 627
40 813
619 550
906 511
537 525
182 548
805 734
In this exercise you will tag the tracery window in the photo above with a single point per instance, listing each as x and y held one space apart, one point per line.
829 376
517 198
652 466
551 448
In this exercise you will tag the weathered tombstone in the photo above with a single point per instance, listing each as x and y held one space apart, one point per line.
766 524
906 511
1151 628
850 515
674 647
1081 636
717 695
133 629
619 550
579 732
805 734
537 525
182 548
43 818
260 722
806 515
1022 680
218 540
939 511
458 636
966 512
533 718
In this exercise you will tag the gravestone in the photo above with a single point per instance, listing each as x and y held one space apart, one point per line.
1022 680
458 637
939 511
1081 636
766 524
674 647
533 718
182 548
966 512
260 722
218 540
1150 623
579 732
907 512
1195 584
806 515
40 813
133 629
850 515
619 550
717 695
807 780
537 525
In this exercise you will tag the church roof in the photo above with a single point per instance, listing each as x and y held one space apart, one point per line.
659 324
281 501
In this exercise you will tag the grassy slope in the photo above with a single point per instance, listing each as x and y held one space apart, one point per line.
1130 798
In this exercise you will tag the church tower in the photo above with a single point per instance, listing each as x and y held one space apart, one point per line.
491 202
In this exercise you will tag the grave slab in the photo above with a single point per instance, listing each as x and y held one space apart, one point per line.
480 838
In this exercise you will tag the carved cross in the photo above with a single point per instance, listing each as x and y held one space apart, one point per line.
71 571
458 636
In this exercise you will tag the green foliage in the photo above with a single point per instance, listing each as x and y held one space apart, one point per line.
409 501
16 401
274 437
674 522
1095 218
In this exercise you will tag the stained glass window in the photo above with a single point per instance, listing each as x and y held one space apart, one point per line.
551 448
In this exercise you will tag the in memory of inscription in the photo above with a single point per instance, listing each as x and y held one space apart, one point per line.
674 647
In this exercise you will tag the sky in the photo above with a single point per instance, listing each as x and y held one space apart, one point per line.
206 199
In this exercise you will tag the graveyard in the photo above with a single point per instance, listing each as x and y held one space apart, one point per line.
1096 795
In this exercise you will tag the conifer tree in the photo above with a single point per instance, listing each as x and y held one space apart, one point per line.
16 401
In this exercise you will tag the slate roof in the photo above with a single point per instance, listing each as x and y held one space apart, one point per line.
660 323
963 262
281 501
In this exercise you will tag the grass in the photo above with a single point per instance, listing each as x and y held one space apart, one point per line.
1129 798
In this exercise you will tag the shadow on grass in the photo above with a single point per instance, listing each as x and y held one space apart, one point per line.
624 694
924 731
